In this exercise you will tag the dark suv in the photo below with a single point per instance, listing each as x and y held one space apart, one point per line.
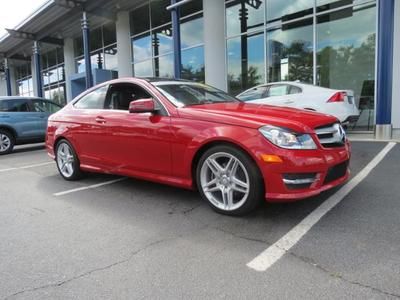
23 120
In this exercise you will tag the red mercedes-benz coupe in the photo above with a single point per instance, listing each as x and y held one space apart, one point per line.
194 136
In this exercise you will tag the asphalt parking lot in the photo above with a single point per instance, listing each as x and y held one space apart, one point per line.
130 239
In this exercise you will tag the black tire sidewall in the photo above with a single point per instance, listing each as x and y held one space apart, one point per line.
12 141
76 164
256 193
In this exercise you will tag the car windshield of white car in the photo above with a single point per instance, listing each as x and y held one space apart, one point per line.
185 94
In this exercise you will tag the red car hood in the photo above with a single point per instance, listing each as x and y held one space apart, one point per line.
257 115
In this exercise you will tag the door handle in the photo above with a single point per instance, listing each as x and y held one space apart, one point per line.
100 120
288 101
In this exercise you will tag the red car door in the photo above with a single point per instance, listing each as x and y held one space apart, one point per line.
87 128
136 142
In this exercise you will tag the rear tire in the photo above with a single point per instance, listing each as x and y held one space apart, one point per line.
7 142
229 180
67 161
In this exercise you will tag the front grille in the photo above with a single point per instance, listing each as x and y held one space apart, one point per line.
331 136
336 172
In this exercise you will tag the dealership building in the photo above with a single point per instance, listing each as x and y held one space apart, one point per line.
67 46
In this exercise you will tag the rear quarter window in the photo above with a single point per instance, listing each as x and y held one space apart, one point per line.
294 90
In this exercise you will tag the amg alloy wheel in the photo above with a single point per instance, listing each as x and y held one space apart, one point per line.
229 180
67 161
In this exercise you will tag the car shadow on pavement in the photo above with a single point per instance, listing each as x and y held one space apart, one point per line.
22 149
133 199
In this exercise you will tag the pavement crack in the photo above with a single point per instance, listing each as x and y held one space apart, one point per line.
240 236
189 210
87 273
335 275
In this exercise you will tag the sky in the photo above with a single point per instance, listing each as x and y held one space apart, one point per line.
12 12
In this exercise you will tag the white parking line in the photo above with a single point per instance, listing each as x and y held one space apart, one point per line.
272 254
88 187
26 167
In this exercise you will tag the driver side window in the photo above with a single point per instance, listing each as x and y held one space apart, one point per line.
120 95
93 100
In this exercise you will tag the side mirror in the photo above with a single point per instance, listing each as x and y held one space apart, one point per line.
142 106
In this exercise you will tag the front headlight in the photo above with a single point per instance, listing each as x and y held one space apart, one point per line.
284 138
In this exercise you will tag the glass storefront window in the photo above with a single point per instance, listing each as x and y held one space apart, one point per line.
288 10
78 46
141 47
53 76
193 64
110 58
80 63
144 68
103 54
152 43
51 58
159 13
25 86
191 7
162 40
44 61
61 73
24 78
346 58
96 40
192 32
97 60
60 55
290 52
23 70
45 78
245 62
164 66
324 5
109 34
243 17
140 19
56 94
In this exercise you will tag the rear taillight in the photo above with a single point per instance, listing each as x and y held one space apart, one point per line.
337 97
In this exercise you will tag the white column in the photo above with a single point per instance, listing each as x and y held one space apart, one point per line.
69 65
214 43
34 80
396 73
3 85
123 45
13 79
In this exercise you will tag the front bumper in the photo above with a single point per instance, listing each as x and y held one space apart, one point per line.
305 173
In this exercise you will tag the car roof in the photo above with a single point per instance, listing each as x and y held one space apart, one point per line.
302 85
21 97
161 79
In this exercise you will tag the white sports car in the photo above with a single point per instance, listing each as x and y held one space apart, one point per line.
339 103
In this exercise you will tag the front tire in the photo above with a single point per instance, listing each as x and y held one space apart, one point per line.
7 142
67 161
229 180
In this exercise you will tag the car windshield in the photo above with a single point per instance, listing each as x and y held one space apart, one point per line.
188 94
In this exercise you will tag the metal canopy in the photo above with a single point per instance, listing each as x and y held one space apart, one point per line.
21 34
59 19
